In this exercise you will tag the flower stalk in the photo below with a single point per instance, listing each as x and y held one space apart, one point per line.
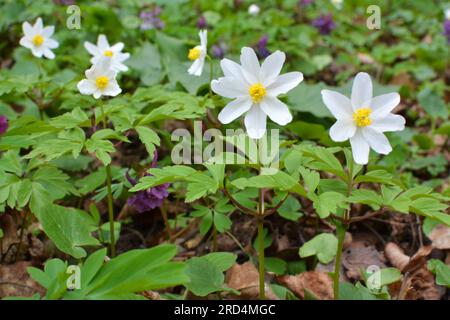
261 261
110 197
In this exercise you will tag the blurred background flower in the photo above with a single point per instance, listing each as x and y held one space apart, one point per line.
201 22
151 20
324 23
261 47
3 124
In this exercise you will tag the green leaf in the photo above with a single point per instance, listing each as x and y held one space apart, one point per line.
366 196
290 209
68 228
164 175
148 137
276 265
222 222
323 245
441 270
205 277
327 203
73 119
433 104
206 223
222 260
101 149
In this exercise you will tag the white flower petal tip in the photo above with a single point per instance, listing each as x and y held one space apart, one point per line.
104 50
363 118
38 39
255 89
198 54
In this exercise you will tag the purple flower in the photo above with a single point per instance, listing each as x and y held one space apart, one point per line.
324 24
201 22
3 124
150 19
447 30
64 2
146 200
263 52
304 3
219 50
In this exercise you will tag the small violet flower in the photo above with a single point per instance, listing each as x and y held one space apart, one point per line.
304 3
324 23
201 22
3 124
151 20
447 30
261 47
149 199
219 50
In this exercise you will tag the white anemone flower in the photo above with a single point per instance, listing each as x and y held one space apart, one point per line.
253 9
100 80
255 89
103 49
363 118
337 3
198 54
38 39
447 13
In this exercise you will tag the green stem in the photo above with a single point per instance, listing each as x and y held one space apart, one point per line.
340 230
261 245
166 220
214 244
110 211
210 74
110 197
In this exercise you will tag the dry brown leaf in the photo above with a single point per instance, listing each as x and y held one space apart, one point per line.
245 278
318 283
440 237
396 256
358 256
15 281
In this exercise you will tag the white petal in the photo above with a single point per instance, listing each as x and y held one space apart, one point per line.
51 44
228 88
112 89
360 148
250 65
276 110
37 51
97 94
255 122
48 53
122 56
338 104
86 86
196 68
28 30
117 47
376 140
203 38
119 66
271 67
234 110
26 42
392 122
48 31
231 69
91 48
361 91
383 105
284 83
102 43
342 130
38 26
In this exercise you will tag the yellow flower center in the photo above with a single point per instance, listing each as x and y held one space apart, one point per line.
257 92
108 53
38 40
101 82
361 117
194 54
